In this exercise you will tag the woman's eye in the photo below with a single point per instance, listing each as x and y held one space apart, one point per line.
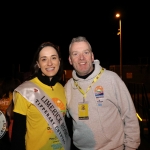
43 59
54 58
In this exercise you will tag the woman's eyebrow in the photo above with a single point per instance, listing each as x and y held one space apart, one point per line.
48 56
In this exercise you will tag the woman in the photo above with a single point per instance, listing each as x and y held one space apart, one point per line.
40 104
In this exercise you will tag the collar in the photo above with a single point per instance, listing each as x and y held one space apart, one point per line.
46 80
84 77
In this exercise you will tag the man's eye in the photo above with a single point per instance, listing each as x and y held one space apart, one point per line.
74 54
87 52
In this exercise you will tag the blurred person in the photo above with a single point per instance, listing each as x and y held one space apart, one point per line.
16 83
40 105
99 103
6 106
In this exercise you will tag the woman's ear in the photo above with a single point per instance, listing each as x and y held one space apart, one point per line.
37 64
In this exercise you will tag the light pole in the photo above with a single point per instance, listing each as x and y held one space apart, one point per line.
120 33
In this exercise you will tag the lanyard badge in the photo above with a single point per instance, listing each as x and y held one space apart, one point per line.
83 107
83 112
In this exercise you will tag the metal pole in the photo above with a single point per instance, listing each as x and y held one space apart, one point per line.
120 49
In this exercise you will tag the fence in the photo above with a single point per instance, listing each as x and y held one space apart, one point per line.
141 99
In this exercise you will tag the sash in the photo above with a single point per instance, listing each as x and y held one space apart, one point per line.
48 109
3 124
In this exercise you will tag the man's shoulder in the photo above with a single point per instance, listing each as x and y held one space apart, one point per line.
110 72
69 82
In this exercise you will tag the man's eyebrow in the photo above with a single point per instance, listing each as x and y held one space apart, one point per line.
83 50
87 50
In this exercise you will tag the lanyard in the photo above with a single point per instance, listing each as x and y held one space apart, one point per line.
94 80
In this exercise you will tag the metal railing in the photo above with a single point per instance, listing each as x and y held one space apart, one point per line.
141 100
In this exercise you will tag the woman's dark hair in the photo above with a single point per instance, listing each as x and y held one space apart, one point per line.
34 67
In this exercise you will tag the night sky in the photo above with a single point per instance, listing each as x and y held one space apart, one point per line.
25 25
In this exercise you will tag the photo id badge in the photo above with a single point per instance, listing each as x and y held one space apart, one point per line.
83 112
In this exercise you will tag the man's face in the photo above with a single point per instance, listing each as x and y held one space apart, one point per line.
81 57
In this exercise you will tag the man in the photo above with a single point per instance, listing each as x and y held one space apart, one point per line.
103 113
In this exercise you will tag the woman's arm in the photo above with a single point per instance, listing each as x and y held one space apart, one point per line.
18 132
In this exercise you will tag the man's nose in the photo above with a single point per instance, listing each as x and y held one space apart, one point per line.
81 56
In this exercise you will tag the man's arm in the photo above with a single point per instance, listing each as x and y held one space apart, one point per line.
128 115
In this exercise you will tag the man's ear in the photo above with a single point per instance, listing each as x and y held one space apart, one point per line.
92 57
70 60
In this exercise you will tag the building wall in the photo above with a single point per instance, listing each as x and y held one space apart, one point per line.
134 73
67 74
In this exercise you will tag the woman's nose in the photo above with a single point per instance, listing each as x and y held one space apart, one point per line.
49 62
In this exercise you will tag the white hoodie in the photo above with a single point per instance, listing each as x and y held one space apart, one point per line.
112 123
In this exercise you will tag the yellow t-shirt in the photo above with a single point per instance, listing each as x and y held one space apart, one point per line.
39 134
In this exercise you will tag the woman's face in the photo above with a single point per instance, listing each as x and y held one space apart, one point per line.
49 61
